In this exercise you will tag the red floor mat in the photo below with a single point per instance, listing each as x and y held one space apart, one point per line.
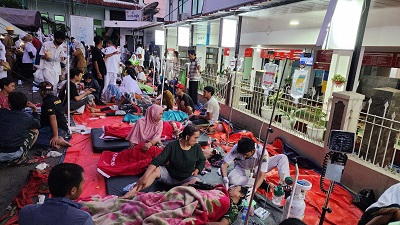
82 153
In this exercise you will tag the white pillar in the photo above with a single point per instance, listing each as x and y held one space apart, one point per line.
340 64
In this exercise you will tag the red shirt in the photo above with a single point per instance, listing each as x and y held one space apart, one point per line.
4 101
36 43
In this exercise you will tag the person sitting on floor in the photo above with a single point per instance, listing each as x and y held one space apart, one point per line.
6 87
78 101
211 108
167 97
141 76
245 154
236 193
385 210
128 105
178 164
65 183
183 100
129 84
52 119
130 70
145 139
19 130
89 82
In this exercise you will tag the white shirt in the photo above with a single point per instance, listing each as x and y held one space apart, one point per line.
212 106
112 62
57 54
140 50
250 163
28 48
2 51
142 76
129 85
390 196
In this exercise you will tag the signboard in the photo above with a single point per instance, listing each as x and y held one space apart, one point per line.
133 15
248 52
324 56
322 66
226 51
82 29
281 54
378 59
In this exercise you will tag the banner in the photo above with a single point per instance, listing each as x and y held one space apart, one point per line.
82 29
133 15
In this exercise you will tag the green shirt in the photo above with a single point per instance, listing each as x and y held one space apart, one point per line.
181 163
232 214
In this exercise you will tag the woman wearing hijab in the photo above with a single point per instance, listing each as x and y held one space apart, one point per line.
178 164
145 137
79 54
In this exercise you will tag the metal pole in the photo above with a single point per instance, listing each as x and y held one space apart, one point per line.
239 31
325 208
269 130
68 90
357 49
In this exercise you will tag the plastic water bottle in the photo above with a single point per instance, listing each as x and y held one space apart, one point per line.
244 213
128 187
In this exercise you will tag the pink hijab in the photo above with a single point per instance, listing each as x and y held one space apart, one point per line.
147 128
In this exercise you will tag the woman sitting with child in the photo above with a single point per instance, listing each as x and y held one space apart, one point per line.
178 164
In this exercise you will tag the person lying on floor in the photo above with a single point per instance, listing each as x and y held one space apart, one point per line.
236 194
183 100
54 125
245 155
178 164
127 105
167 97
385 210
77 101
211 108
65 184
19 130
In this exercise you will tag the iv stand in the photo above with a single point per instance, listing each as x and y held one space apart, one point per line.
269 130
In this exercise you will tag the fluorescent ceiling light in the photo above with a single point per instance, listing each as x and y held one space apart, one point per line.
294 22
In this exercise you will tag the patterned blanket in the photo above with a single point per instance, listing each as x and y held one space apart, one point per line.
180 205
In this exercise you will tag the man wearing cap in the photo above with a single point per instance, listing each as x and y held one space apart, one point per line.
183 100
9 43
54 125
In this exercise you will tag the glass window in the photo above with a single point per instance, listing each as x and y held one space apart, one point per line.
197 7
97 22
59 18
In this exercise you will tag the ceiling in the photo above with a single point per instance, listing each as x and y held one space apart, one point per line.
311 13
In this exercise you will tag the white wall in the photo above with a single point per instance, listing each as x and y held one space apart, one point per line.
382 36
282 37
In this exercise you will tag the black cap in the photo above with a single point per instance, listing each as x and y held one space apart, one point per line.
45 86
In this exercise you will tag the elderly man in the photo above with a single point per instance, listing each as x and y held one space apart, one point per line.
9 43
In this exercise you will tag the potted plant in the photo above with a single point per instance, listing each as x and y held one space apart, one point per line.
339 79
316 129
287 118
266 109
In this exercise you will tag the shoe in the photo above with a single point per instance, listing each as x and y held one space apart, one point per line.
266 186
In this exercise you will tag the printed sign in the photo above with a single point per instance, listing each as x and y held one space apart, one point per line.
133 15
248 52
226 51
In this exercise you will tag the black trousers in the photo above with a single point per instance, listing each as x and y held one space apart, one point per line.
193 89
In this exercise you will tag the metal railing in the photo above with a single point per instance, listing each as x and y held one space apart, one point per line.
378 137
218 82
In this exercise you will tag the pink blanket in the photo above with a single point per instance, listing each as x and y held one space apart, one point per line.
180 205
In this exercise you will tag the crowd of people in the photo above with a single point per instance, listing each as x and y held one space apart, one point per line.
127 84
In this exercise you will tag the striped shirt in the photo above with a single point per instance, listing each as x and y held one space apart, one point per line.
193 71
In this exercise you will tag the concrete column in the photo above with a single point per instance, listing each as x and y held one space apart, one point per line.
345 111
106 14
340 64
236 94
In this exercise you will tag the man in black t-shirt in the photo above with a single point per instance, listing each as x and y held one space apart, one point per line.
99 67
183 100
54 125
